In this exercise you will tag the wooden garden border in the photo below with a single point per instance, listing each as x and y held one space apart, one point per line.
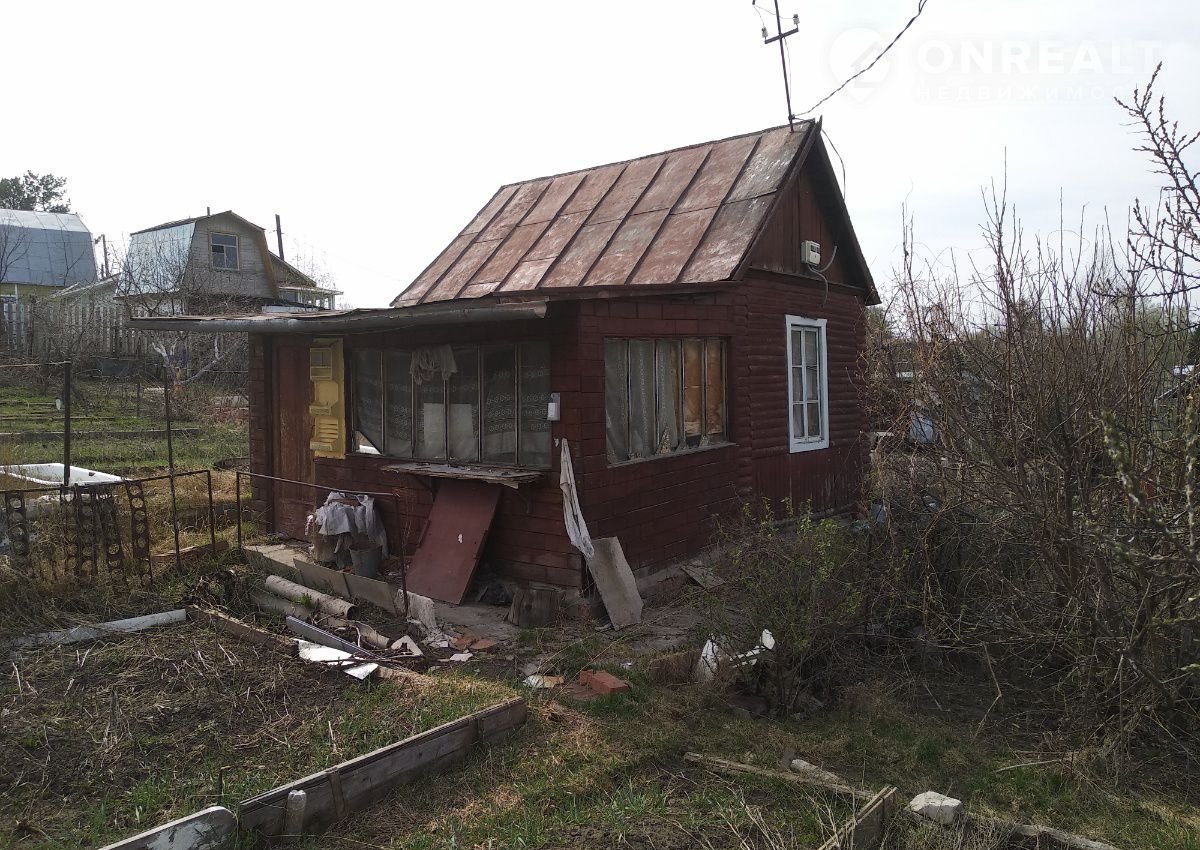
335 794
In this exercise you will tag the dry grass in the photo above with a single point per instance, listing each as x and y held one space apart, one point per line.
102 739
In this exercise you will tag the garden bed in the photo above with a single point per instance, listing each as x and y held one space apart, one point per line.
101 740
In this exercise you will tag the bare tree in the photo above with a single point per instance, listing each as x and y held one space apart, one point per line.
1165 237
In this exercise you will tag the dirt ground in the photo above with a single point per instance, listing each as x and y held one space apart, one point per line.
99 740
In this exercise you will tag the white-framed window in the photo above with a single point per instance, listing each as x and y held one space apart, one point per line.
808 384
224 249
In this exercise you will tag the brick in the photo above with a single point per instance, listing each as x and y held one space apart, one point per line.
602 682
464 641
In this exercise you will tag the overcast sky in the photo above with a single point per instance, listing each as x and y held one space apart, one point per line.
378 129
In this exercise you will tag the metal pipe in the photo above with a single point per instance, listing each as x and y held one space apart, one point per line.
344 322
212 516
237 475
171 463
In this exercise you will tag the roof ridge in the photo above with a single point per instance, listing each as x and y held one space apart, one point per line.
667 152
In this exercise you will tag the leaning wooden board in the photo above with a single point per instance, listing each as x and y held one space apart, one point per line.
353 785
458 526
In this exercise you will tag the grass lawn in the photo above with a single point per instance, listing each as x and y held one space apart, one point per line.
101 740
611 771
112 406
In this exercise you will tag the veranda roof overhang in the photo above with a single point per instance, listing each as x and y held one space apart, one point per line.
348 321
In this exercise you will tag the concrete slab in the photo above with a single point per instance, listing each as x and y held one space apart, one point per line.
615 581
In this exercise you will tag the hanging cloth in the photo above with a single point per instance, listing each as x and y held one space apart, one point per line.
577 528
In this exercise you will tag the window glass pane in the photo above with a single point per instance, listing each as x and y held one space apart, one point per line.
223 239
231 260
430 411
500 404
642 442
810 347
814 420
668 433
463 388
397 367
798 421
797 349
812 386
714 382
368 399
535 396
616 399
693 390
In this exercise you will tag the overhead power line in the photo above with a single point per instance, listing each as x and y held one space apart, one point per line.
920 8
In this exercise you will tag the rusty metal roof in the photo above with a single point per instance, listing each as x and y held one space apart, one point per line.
686 216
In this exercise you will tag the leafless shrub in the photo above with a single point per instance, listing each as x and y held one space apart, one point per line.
1050 530
804 581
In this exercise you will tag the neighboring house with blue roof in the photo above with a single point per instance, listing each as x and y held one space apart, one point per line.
41 253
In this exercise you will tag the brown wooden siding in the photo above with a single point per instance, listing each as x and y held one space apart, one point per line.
802 214
250 281
664 508
528 540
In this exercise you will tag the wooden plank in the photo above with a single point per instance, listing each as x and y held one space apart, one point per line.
508 476
243 631
732 767
208 829
458 525
865 830
366 779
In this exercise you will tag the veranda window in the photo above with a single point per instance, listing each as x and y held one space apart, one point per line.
663 396
808 419
462 403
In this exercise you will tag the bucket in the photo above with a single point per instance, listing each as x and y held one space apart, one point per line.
366 559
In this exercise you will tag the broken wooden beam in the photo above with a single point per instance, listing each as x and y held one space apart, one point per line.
865 830
243 631
335 794
189 554
732 767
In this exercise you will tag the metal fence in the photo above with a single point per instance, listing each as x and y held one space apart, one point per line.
121 532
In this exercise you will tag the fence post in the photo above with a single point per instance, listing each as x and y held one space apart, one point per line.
67 423
171 462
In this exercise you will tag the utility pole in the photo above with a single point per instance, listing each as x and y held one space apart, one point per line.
779 36
104 243
279 235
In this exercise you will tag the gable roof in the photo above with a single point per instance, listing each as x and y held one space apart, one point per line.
180 222
158 256
685 216
45 249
